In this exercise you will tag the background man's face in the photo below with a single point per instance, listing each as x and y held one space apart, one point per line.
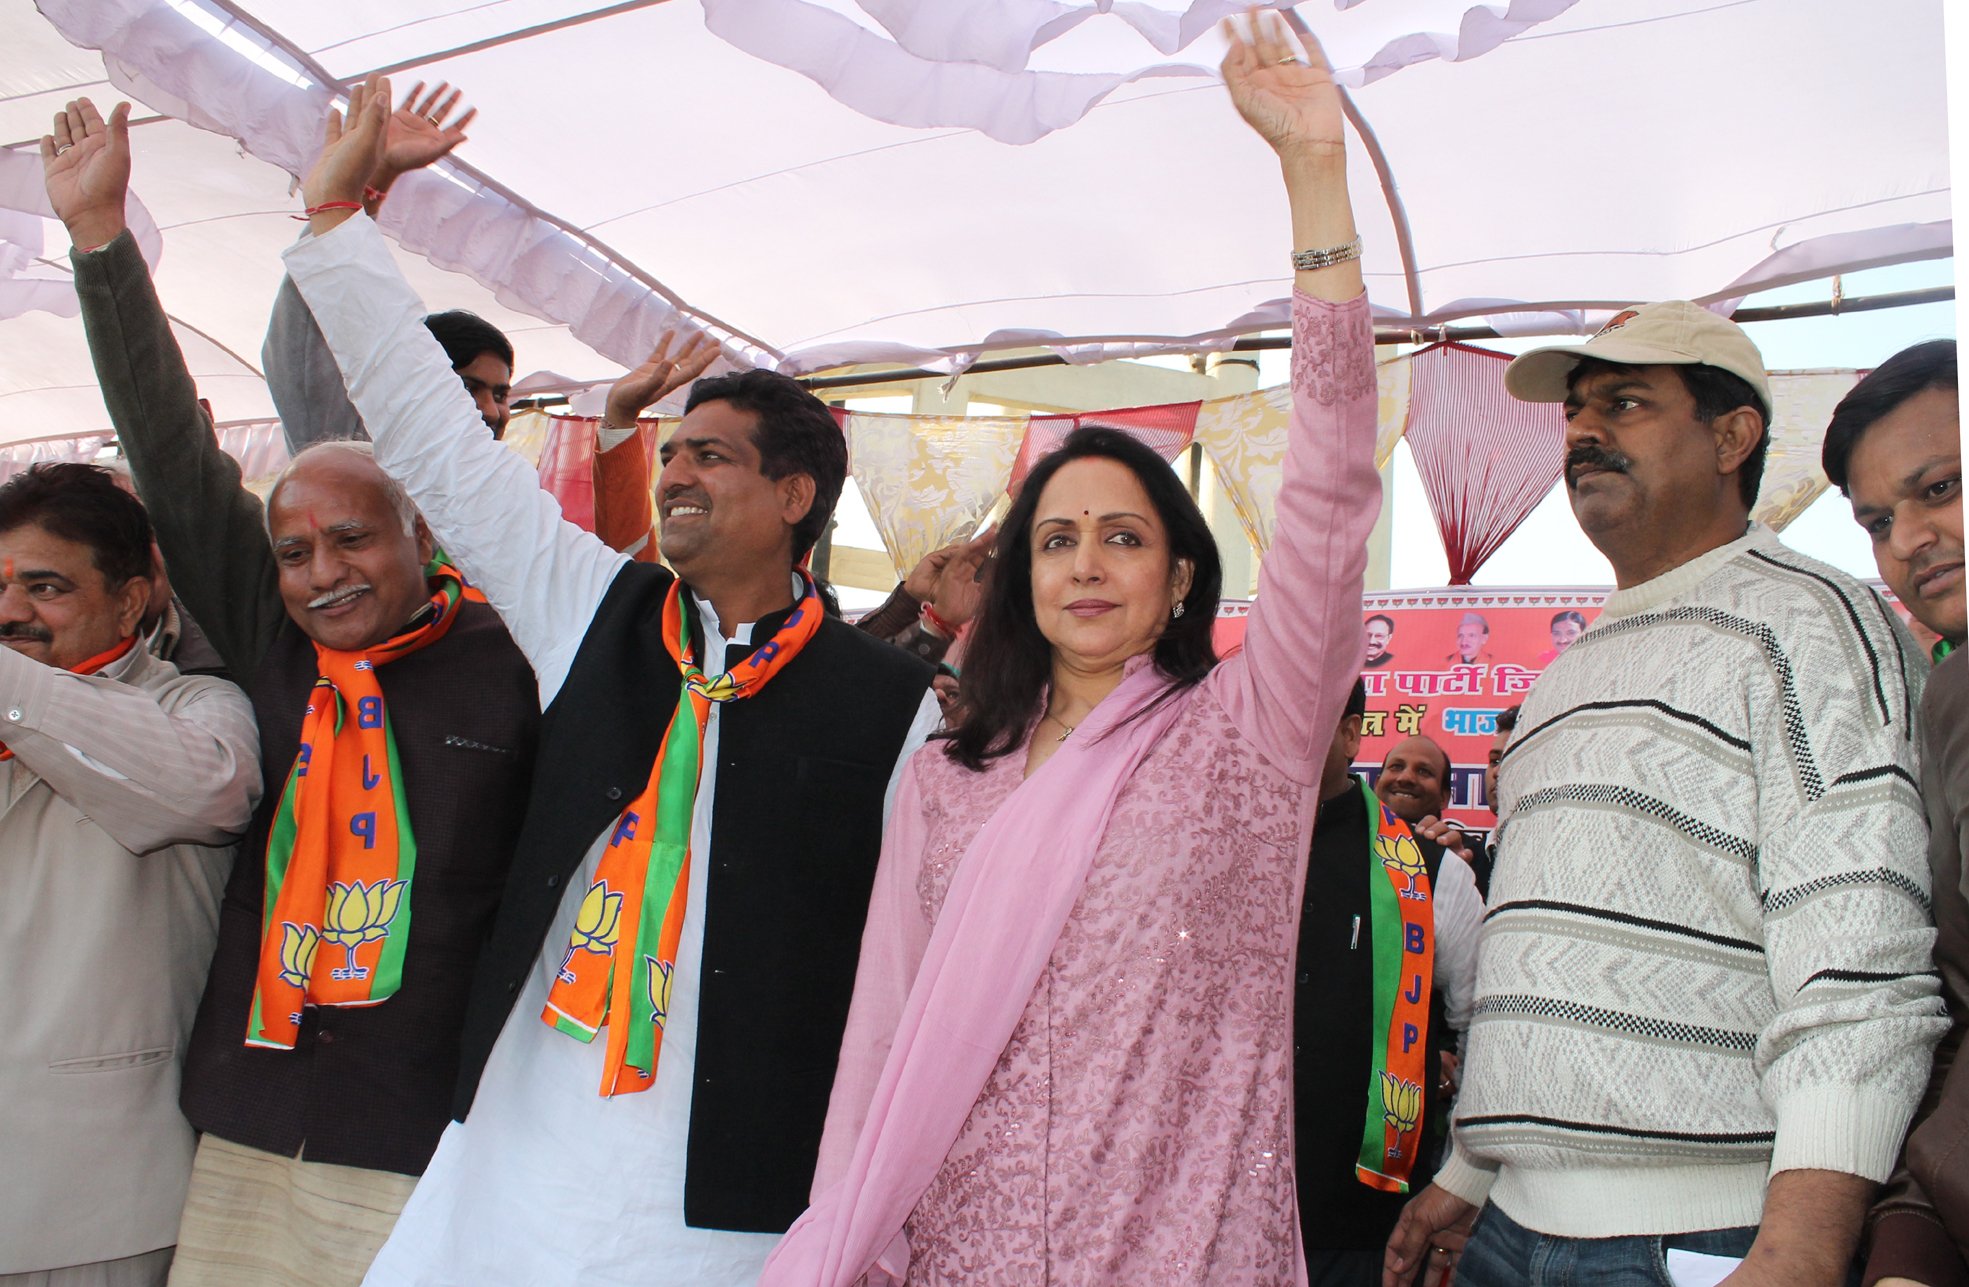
1340 755
1470 638
55 604
1497 745
490 382
1414 780
1378 635
1905 480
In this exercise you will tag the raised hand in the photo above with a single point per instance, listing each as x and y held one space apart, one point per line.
960 582
86 163
1287 96
921 583
351 149
659 376
417 134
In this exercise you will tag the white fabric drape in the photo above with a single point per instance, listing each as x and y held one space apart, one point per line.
853 193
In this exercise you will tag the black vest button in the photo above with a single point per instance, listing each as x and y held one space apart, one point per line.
614 793
511 988
553 882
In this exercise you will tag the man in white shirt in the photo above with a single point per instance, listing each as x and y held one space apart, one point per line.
757 869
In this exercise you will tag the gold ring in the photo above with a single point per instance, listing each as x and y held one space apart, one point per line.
66 147
1289 58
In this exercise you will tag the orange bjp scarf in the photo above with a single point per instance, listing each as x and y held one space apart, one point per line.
1403 928
340 854
622 953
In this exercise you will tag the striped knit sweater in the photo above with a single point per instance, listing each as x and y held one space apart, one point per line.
1707 955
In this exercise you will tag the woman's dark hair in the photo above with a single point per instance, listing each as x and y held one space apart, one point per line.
1577 618
1007 661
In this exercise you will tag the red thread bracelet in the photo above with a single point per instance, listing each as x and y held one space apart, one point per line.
311 211
938 624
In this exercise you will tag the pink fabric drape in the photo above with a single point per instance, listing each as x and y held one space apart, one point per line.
567 467
1166 429
1485 458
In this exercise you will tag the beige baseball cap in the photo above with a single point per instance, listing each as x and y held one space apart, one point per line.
1671 333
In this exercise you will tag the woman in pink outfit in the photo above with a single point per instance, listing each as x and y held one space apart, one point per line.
1069 1055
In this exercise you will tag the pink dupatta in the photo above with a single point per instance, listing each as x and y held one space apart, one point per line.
1007 903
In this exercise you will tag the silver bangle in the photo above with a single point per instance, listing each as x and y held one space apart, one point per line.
1307 261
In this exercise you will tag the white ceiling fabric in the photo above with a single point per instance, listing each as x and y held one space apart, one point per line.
825 181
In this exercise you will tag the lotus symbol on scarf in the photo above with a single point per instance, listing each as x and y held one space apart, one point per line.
597 924
722 688
599 920
1401 1106
657 976
358 914
298 944
1400 853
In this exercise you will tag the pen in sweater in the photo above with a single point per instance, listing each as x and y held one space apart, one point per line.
1355 941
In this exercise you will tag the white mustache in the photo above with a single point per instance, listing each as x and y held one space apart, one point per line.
337 596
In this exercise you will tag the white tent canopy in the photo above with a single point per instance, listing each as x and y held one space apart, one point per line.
825 181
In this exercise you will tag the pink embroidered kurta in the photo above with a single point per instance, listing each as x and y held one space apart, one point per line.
1137 1128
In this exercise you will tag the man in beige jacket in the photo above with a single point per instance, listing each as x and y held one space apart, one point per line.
123 786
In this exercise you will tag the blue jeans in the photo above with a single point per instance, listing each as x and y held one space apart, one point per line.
1503 1253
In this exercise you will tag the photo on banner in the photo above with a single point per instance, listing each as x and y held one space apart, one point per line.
1444 663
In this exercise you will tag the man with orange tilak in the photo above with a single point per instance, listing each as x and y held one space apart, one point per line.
123 785
397 726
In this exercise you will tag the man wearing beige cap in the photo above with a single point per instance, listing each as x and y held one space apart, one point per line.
1704 995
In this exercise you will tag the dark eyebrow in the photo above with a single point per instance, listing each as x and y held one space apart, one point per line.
1913 476
1908 483
1105 518
669 447
1573 398
41 574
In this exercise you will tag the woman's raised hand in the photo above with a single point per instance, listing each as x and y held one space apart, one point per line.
1284 92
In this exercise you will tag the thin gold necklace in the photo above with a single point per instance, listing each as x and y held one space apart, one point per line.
1063 724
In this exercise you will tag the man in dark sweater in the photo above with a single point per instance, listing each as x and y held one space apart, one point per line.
427 771
1345 1217
1894 447
685 913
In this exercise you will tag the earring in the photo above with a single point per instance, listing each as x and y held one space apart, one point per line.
1176 611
